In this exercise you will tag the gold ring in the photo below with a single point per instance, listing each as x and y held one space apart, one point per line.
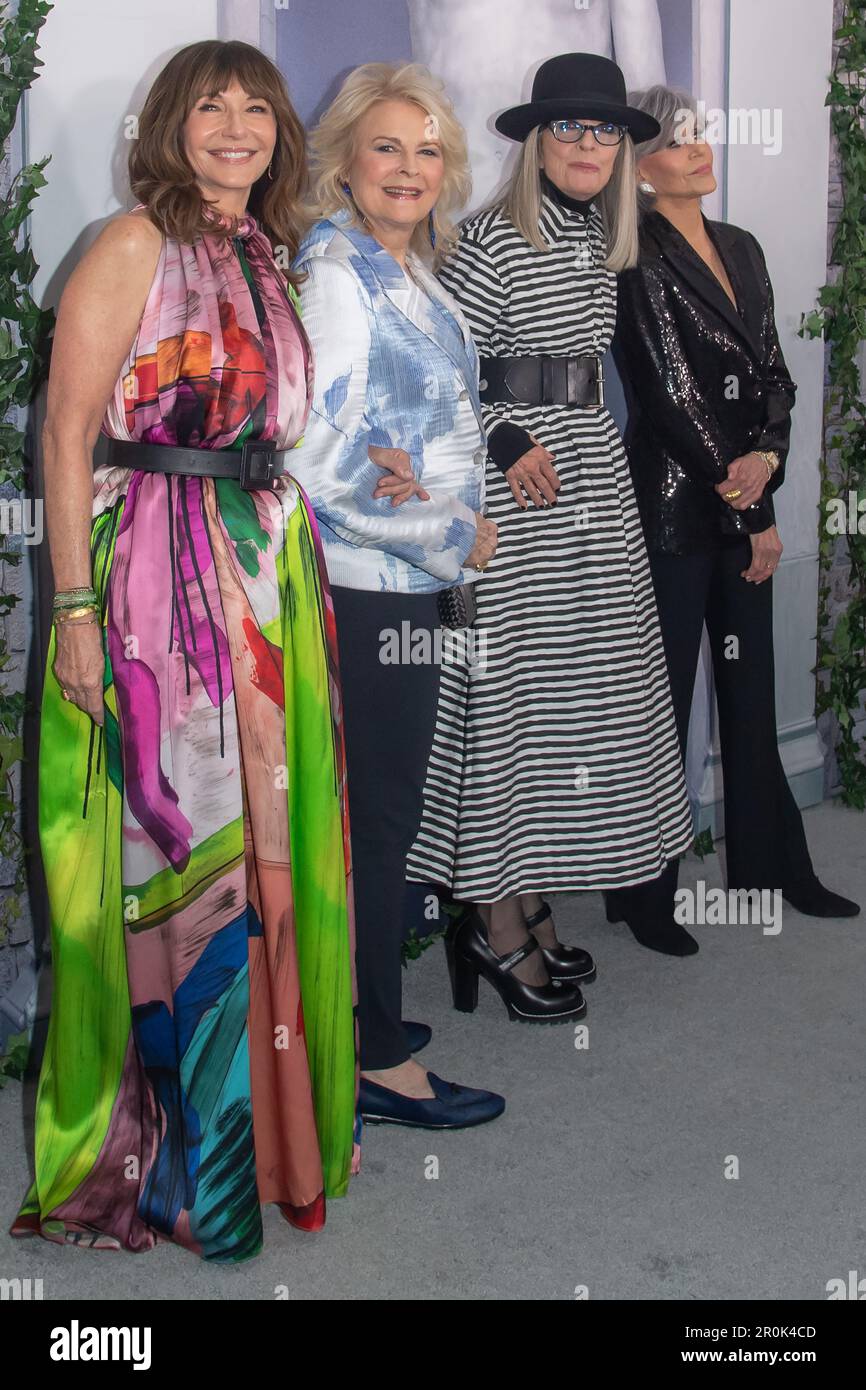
481 568
732 496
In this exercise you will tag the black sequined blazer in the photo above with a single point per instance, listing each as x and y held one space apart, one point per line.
704 383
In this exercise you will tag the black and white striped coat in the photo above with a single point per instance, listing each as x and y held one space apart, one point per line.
555 763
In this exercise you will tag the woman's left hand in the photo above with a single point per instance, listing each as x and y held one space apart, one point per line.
766 554
748 476
399 481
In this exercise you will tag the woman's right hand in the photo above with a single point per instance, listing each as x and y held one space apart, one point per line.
79 665
484 548
535 474
399 483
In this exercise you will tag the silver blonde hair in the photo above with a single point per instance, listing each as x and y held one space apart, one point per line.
332 146
521 201
676 112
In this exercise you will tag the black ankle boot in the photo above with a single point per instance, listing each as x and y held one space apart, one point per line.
657 934
817 901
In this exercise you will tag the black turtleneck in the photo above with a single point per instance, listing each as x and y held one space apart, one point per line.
564 199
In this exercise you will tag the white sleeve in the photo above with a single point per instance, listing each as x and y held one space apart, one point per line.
332 462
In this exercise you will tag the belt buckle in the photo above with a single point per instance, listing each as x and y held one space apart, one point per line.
598 403
575 373
256 469
599 384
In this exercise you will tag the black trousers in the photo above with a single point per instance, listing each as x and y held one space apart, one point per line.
764 838
389 711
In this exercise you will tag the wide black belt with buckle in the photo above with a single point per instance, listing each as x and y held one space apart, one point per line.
576 381
257 464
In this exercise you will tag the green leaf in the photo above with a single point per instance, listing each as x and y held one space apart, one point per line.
841 316
11 752
702 844
25 332
414 946
14 1062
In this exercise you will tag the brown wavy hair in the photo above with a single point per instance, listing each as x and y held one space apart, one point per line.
161 176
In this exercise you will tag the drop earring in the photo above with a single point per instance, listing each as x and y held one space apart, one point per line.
431 227
348 192
645 187
270 175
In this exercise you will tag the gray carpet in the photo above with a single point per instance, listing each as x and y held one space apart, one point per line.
607 1171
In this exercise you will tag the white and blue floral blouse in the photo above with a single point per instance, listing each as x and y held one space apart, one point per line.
395 367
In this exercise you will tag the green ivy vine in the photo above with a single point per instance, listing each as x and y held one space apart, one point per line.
841 320
25 332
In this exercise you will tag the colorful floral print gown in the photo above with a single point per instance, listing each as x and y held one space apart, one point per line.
200 1058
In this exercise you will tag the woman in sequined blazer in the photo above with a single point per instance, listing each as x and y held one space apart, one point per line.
710 402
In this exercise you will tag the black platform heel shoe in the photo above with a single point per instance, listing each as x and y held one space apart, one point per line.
665 936
470 954
563 962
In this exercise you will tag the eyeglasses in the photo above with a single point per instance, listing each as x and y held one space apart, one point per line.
569 132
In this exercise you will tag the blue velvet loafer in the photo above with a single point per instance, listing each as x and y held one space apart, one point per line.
417 1035
453 1106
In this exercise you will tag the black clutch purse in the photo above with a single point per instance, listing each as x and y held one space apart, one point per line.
457 606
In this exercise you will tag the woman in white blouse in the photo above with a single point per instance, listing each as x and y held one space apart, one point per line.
396 369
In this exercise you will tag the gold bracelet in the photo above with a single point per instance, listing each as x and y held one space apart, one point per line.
78 622
771 459
86 610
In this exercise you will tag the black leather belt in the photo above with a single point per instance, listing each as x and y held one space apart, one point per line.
576 381
256 465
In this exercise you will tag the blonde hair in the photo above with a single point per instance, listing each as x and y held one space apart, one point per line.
332 146
521 202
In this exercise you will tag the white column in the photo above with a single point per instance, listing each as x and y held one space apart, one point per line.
780 57
710 76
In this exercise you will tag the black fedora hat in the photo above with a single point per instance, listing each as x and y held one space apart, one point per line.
577 85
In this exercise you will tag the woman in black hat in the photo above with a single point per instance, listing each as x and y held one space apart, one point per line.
556 765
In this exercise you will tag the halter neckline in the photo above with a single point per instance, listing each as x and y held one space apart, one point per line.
246 224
